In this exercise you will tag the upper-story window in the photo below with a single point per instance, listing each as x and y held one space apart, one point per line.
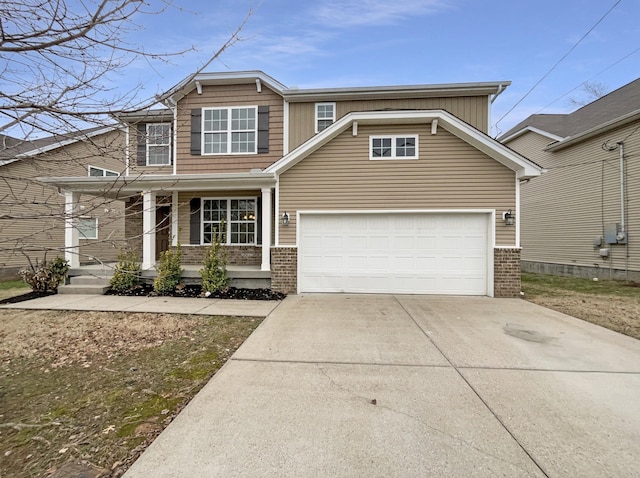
101 172
158 144
229 130
325 115
393 147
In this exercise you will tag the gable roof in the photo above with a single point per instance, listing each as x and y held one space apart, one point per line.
14 149
524 167
611 108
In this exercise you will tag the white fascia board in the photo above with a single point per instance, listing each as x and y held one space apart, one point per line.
531 129
123 186
491 147
68 141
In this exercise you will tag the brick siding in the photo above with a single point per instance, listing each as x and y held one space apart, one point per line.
506 273
236 255
284 269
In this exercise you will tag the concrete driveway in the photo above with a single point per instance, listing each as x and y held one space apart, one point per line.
381 386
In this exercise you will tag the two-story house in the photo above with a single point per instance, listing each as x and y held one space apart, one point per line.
368 190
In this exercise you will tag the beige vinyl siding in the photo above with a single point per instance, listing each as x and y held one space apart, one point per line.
449 174
531 145
472 109
227 96
564 210
33 214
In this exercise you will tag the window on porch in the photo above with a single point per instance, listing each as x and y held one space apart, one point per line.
239 216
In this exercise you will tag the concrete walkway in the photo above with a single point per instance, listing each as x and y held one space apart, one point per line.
112 303
412 386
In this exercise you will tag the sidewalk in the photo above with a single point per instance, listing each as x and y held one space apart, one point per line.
171 305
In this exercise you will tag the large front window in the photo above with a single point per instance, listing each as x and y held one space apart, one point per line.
236 216
229 130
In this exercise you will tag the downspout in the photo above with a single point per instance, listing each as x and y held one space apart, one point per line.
501 88
622 198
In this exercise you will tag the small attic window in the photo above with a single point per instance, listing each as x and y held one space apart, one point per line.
325 115
393 147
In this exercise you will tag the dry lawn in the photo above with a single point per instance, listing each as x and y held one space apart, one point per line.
83 393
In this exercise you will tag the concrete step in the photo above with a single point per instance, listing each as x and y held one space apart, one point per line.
86 289
88 280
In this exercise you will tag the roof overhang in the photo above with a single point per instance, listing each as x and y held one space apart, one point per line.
225 78
523 167
146 116
122 187
531 129
590 133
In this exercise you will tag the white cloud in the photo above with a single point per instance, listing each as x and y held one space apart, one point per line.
346 13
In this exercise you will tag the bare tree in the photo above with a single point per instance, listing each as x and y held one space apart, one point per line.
589 92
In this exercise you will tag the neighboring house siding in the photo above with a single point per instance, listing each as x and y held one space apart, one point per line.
228 96
565 209
472 109
531 145
449 174
32 213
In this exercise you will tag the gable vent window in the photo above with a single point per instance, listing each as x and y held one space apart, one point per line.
101 172
325 115
229 130
393 147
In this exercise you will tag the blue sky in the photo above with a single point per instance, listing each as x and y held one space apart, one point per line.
339 43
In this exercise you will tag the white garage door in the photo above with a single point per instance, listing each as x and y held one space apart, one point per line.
406 253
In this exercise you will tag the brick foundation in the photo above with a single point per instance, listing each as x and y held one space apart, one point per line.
284 269
236 255
506 273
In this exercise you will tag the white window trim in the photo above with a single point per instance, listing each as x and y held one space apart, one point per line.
229 131
333 118
393 147
228 219
81 234
149 144
104 171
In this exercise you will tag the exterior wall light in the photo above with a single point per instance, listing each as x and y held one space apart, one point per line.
285 219
509 218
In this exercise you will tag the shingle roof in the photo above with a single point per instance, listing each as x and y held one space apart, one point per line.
614 105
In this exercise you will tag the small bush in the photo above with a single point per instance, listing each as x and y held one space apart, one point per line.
127 273
169 272
45 276
214 272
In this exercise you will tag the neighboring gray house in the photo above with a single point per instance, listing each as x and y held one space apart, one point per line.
582 216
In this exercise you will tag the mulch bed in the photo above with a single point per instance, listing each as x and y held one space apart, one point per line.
23 297
146 290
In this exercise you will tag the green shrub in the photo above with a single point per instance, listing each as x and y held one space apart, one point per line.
169 271
127 273
214 271
45 276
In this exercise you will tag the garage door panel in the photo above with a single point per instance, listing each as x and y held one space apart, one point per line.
394 253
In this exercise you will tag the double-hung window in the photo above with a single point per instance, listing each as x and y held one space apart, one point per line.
101 172
229 130
325 115
238 216
393 147
158 144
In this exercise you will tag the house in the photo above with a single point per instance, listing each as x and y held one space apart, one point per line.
581 218
32 215
393 189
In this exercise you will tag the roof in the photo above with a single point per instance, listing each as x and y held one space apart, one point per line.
13 149
326 94
523 167
621 103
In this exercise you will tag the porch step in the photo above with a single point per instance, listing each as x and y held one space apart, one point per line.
88 285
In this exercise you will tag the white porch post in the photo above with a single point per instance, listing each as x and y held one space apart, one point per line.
71 234
174 218
266 229
148 229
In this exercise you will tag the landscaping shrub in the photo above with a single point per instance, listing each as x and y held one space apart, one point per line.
127 273
214 271
45 276
169 271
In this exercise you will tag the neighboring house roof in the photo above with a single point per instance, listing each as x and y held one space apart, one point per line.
619 105
327 94
14 149
524 167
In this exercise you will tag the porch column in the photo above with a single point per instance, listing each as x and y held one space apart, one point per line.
266 229
71 234
174 218
148 230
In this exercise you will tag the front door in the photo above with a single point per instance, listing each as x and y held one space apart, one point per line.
163 228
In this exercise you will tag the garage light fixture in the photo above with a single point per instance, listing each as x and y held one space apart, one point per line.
509 218
285 219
